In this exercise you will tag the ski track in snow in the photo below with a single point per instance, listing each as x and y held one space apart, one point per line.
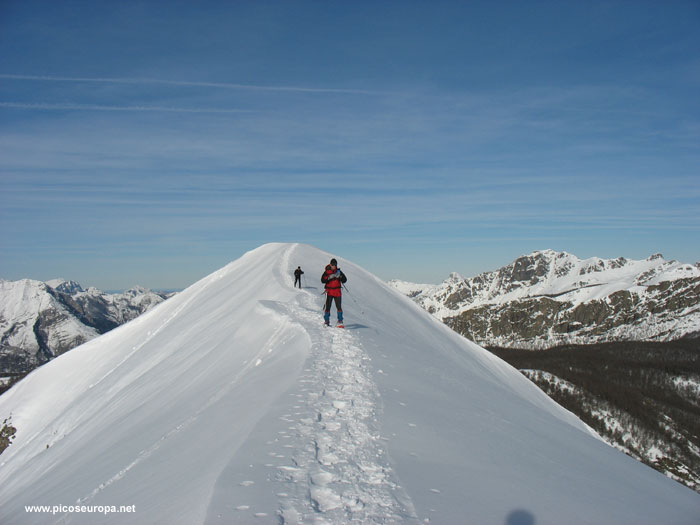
145 454
339 470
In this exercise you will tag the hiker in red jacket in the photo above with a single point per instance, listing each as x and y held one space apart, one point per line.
333 278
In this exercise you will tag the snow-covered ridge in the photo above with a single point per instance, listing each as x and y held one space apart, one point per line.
564 295
409 289
231 403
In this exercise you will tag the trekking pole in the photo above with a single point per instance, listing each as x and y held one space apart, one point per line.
362 310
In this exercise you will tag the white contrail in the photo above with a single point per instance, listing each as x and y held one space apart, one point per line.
222 85
97 107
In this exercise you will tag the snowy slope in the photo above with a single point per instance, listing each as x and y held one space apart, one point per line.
231 403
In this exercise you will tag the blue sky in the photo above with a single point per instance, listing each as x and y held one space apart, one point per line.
153 142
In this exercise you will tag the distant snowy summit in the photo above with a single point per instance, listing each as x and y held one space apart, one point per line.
39 321
548 298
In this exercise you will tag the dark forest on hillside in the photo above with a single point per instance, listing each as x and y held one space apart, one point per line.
640 396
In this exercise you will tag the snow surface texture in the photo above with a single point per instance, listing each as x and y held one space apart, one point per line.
231 403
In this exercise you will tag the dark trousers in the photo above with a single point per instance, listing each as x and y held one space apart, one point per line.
297 279
338 306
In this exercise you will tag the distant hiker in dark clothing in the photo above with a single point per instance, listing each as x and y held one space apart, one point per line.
333 278
297 276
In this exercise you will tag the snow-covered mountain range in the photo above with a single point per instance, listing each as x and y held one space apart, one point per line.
39 321
232 403
549 298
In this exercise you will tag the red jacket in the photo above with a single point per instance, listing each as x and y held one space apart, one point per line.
334 284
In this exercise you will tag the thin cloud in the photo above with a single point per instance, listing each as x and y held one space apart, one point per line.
97 107
220 85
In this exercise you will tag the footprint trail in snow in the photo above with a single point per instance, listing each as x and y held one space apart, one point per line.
339 471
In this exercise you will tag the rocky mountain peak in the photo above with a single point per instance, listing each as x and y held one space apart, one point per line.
136 290
530 269
64 286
